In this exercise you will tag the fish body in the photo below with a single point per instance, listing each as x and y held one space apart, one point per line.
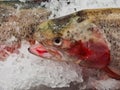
89 38
18 22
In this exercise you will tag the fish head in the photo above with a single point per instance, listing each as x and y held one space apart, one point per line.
52 43
70 39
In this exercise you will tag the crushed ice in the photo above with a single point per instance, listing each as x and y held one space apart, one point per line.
24 70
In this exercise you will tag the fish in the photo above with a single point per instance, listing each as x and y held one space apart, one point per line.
17 23
88 37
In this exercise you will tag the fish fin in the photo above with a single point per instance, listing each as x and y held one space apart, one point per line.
111 73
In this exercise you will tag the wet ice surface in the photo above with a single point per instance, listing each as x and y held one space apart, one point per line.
26 71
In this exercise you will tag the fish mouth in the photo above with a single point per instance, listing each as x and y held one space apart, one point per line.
45 52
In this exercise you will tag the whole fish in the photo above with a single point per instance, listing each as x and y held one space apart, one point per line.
90 38
18 22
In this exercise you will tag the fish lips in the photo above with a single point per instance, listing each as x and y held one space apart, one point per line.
39 50
45 52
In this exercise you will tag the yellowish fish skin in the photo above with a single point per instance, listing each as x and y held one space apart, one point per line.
82 25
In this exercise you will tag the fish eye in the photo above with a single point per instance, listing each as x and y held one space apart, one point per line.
57 41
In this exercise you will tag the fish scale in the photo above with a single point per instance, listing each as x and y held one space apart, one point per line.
88 37
112 32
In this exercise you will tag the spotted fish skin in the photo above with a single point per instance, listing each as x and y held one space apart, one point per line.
108 20
88 37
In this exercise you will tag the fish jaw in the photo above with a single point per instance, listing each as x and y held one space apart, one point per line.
45 52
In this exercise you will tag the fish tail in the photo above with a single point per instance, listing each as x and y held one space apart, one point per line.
111 73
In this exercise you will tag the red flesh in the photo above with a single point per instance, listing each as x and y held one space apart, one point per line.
79 50
41 52
97 55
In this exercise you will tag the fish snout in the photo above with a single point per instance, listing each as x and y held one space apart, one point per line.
46 52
